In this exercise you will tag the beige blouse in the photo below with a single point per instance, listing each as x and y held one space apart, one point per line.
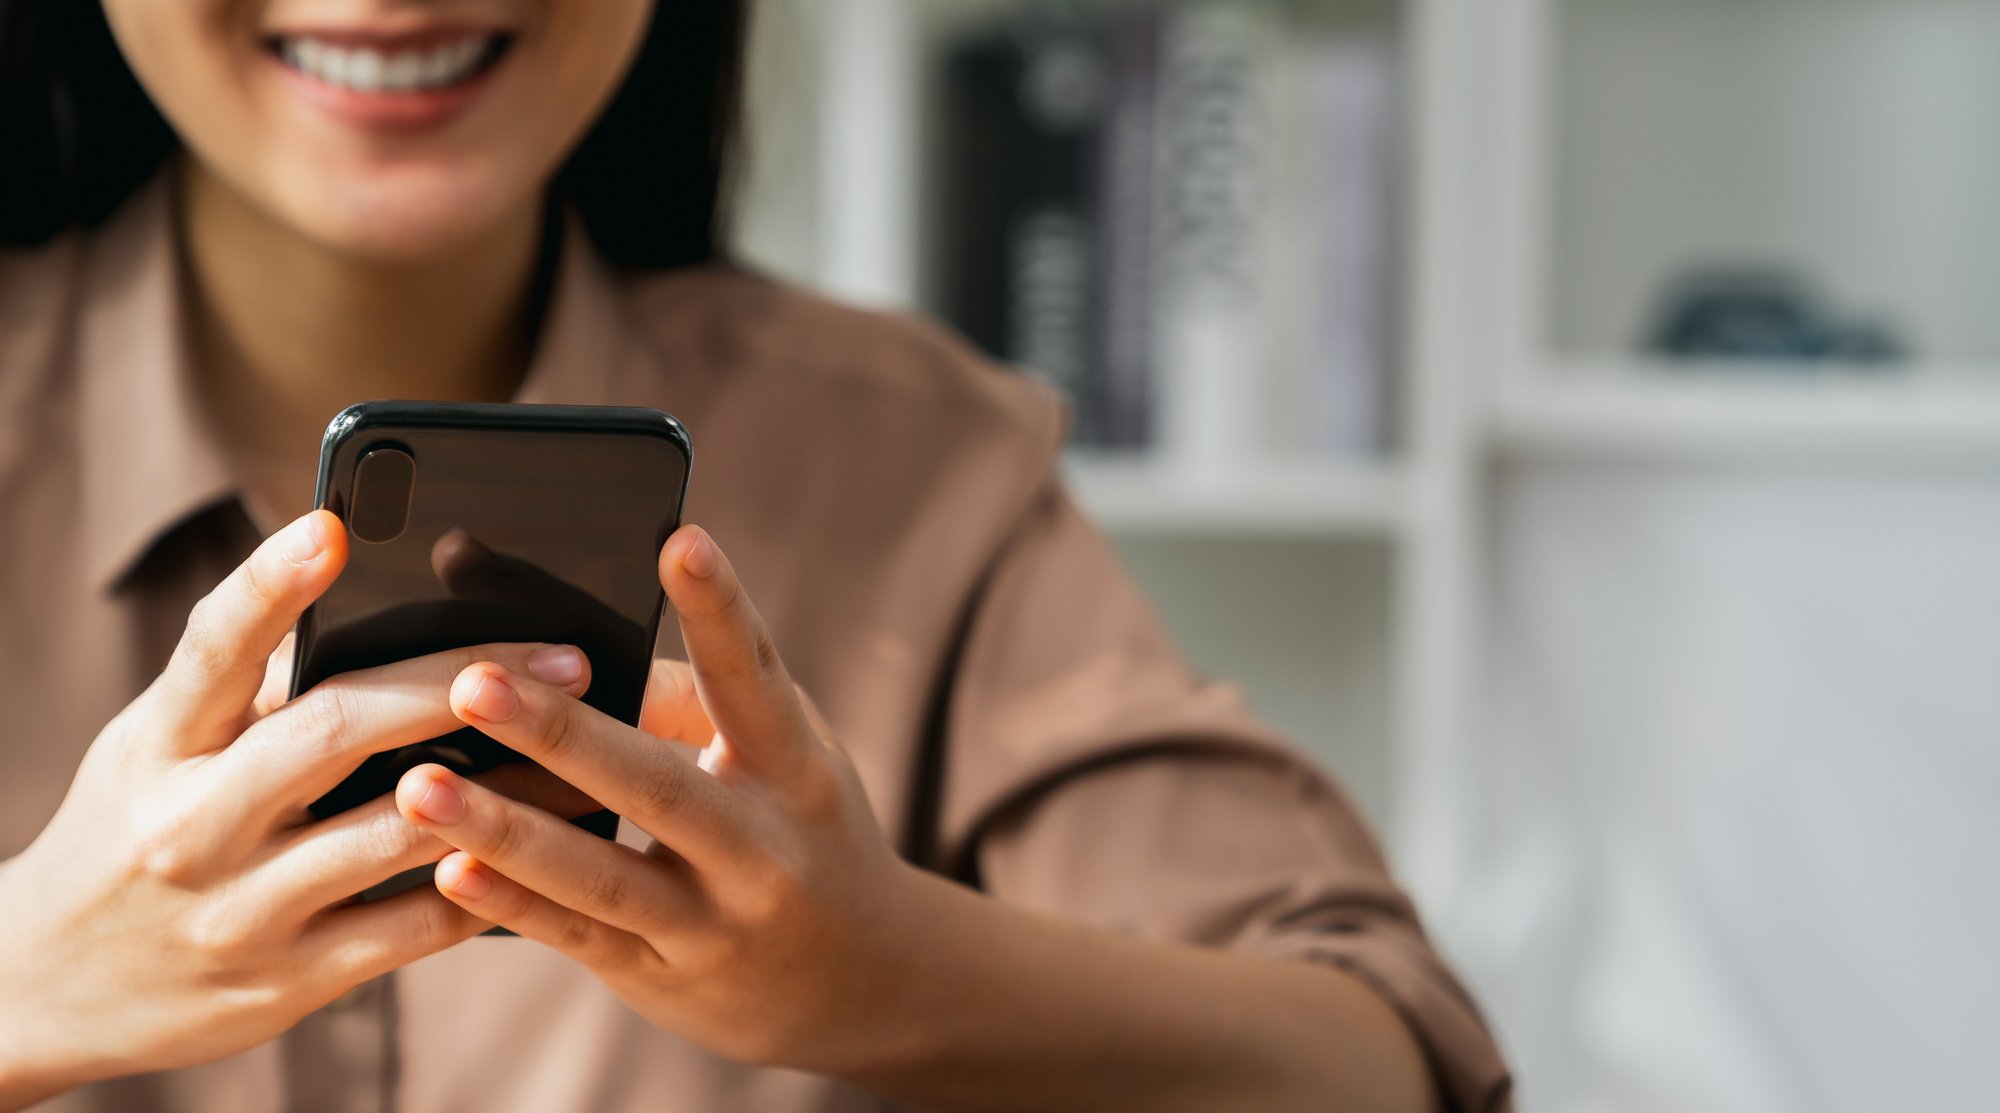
892 501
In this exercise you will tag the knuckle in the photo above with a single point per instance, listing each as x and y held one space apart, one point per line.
704 954
575 934
734 612
391 838
166 852
262 583
558 731
508 835
608 890
766 656
204 654
771 893
134 723
221 934
251 992
431 925
663 792
730 603
329 714
818 797
514 908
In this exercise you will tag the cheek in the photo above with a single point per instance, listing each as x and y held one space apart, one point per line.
185 55
591 49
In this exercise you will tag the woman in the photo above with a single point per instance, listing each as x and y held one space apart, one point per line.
1013 857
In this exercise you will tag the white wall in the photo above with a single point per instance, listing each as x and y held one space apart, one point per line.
1300 624
1737 827
1853 137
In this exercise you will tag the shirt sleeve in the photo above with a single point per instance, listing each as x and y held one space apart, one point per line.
1089 773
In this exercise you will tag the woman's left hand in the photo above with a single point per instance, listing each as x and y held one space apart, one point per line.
770 922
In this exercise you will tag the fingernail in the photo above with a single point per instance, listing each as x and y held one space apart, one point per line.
561 665
304 540
699 560
494 700
441 804
472 883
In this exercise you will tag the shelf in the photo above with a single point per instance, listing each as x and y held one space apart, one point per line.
1755 412
1134 496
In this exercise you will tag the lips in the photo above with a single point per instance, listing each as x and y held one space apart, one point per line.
390 83
367 68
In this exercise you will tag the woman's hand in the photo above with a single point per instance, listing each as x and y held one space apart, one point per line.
761 922
771 924
182 905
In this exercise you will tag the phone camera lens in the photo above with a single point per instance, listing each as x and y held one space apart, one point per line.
383 482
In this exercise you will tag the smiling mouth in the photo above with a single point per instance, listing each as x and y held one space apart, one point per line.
437 65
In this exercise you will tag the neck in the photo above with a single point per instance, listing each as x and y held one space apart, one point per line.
289 331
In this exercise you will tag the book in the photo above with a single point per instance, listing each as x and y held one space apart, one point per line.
1217 173
1026 106
1126 201
1349 82
1185 217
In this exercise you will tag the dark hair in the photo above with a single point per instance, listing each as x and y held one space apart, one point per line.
651 179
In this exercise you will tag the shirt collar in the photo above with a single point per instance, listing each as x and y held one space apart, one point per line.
151 459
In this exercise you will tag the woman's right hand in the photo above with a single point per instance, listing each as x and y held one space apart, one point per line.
183 905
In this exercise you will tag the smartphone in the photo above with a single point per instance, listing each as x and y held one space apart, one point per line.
469 524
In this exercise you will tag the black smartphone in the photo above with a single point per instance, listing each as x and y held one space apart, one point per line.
469 524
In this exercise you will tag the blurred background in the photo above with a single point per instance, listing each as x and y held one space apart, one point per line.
1576 421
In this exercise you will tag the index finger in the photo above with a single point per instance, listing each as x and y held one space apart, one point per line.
742 682
219 664
301 751
660 790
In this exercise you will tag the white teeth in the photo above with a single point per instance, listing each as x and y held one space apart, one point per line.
402 72
367 70
435 68
364 70
333 65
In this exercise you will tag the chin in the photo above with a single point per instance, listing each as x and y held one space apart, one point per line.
402 216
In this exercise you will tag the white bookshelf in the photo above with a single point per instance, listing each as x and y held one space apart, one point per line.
1513 308
1751 414
1854 151
1329 500
1565 157
1327 632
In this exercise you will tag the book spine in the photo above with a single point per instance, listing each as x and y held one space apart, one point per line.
1293 303
1126 204
1026 110
1216 170
1346 391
